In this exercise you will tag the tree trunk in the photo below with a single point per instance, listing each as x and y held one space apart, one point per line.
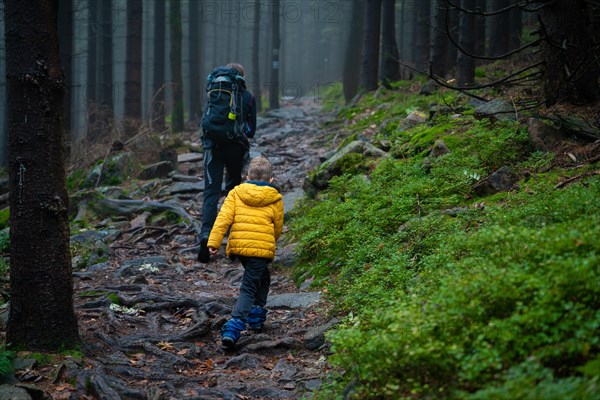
422 34
92 68
158 79
571 70
106 59
275 45
408 31
353 51
390 69
3 105
65 35
499 29
480 35
515 28
41 313
466 64
370 51
453 19
133 67
195 46
439 47
176 71
255 56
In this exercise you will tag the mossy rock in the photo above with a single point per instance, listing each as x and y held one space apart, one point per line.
354 158
115 170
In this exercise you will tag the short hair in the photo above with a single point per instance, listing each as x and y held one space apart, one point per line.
237 67
260 169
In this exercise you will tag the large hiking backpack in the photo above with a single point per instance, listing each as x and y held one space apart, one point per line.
222 120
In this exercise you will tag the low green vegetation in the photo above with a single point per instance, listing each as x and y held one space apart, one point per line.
4 240
4 217
6 366
448 295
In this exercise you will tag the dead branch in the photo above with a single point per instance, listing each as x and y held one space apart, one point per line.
521 5
576 126
500 57
576 178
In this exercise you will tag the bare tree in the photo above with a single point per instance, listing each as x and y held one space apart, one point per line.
370 48
133 66
195 47
92 92
422 33
275 46
158 79
515 28
571 69
439 44
466 63
390 69
569 41
176 69
452 26
353 51
480 33
41 307
255 55
499 28
408 31
106 58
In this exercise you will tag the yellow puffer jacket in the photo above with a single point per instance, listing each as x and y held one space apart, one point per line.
254 210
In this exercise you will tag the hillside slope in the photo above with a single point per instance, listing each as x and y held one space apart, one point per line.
465 261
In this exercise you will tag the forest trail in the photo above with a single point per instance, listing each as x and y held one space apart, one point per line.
150 316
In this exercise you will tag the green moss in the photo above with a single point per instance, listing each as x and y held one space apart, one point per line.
448 296
114 298
4 217
6 358
75 180
42 358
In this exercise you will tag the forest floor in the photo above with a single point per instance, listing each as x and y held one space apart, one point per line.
149 317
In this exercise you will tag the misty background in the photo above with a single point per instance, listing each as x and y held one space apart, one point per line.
301 53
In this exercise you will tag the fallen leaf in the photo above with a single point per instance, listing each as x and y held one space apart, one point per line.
268 366
166 346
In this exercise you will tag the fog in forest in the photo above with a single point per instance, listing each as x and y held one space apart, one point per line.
313 39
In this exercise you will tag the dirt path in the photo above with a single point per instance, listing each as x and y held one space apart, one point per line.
150 316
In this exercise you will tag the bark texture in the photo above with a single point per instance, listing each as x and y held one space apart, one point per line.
41 306
370 51
133 67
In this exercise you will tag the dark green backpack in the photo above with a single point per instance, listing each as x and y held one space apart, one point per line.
222 120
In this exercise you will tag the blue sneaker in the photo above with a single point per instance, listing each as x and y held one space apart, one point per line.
231 331
256 318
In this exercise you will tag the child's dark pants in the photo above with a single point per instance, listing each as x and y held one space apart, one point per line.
255 286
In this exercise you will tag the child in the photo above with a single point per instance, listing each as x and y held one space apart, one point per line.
254 212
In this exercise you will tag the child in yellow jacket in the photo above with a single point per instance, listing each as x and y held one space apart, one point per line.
254 212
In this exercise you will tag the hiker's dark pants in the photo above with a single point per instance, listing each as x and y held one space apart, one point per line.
255 286
216 160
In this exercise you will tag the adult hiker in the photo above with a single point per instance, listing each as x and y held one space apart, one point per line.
229 120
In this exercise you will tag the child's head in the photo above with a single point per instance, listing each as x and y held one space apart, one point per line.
260 169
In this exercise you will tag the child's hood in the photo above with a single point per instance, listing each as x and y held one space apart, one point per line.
256 194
